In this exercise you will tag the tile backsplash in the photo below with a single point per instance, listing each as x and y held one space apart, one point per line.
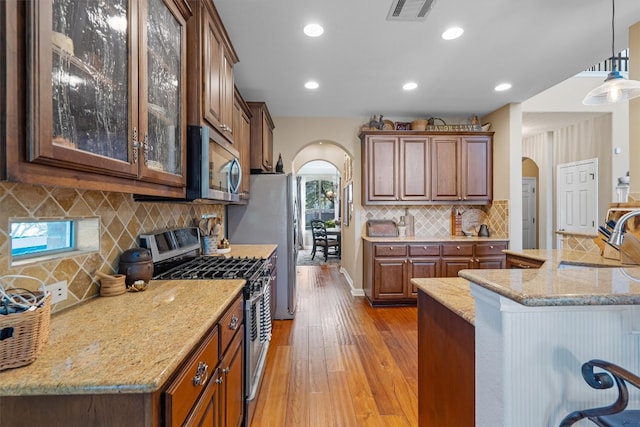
436 220
121 220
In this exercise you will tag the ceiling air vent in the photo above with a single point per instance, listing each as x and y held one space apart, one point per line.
409 10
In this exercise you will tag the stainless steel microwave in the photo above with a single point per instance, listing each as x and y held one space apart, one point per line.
213 168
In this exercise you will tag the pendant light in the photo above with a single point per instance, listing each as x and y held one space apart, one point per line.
615 88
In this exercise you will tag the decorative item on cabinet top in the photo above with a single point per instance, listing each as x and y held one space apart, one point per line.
429 124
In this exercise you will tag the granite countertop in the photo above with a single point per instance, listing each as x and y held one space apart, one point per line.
567 257
130 343
452 292
566 278
447 238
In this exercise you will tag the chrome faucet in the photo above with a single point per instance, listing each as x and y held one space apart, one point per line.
617 235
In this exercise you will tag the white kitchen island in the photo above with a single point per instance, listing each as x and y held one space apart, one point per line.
535 328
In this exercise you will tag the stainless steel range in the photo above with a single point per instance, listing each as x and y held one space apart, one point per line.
176 256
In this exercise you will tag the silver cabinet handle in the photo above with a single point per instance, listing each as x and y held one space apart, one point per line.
135 144
233 325
202 373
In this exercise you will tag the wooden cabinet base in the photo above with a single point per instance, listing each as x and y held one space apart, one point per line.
80 410
446 366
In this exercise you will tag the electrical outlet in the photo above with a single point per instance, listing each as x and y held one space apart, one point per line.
58 291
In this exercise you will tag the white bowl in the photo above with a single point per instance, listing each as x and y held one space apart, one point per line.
623 180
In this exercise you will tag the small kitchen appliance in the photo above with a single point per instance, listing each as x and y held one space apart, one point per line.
176 254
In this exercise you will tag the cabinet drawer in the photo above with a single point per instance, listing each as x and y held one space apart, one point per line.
230 323
427 249
490 248
192 379
390 250
457 249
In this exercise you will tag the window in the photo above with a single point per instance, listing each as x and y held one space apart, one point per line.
37 238
319 201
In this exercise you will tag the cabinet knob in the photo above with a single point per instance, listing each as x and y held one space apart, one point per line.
459 198
490 246
424 247
226 371
219 380
458 247
202 373
233 325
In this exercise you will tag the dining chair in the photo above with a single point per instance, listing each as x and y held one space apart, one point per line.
330 246
615 414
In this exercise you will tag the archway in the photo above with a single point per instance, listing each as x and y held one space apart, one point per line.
322 169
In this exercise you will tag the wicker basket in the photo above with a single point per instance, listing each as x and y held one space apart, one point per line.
23 335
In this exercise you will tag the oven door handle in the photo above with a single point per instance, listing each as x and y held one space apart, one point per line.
257 296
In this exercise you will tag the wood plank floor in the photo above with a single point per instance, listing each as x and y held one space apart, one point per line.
340 362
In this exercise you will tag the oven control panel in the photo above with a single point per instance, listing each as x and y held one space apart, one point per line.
169 244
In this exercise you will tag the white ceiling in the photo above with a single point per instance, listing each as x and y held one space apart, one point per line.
362 60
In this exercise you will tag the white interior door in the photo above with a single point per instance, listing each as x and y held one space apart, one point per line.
529 227
577 196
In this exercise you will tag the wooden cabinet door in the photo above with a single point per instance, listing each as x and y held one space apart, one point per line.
162 79
389 278
108 97
227 88
477 170
381 166
419 268
206 413
491 263
451 266
445 168
241 126
415 180
261 138
82 108
232 382
212 71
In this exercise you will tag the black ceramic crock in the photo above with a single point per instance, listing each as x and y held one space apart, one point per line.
136 264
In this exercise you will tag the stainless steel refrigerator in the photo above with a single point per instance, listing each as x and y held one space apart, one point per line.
269 217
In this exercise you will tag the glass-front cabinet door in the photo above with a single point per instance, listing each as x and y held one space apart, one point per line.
162 87
93 88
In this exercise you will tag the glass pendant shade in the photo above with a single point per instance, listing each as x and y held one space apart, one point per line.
614 89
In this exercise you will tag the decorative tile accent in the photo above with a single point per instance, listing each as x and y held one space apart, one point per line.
436 220
121 220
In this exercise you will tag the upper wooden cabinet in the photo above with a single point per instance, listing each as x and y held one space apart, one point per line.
261 138
395 169
210 66
107 93
462 168
401 168
242 127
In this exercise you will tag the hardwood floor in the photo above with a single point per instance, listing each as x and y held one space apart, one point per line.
340 362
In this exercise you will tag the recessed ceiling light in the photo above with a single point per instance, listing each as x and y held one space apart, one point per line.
502 87
410 86
452 33
311 85
313 30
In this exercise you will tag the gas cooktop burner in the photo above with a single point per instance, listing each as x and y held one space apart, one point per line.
205 267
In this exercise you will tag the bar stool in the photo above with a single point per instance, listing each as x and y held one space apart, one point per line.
615 414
